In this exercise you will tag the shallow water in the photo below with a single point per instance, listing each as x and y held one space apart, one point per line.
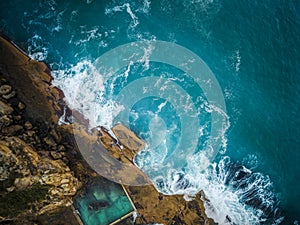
247 51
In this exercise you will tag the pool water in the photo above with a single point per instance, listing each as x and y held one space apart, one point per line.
103 202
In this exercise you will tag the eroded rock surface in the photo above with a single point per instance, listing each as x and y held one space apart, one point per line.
33 179
154 207
127 138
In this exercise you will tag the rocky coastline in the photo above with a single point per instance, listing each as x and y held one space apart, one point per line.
41 168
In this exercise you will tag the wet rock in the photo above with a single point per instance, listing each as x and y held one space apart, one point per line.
17 118
49 141
25 158
5 89
3 80
30 133
64 181
5 121
66 160
166 209
9 96
55 155
11 130
42 128
128 138
28 125
23 183
11 189
21 105
55 135
5 109
61 148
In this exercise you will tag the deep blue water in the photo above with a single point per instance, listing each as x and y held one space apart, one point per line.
251 49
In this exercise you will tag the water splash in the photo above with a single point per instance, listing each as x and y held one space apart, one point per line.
233 193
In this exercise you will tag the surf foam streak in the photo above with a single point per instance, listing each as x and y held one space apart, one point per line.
128 9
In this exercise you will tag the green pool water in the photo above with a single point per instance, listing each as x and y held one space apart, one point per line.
103 203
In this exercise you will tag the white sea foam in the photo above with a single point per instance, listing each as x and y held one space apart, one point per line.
89 1
58 26
227 189
145 7
134 216
90 102
37 49
237 60
146 56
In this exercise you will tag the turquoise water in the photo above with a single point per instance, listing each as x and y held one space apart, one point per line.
114 204
250 47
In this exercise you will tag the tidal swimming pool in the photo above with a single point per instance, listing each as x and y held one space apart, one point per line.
103 202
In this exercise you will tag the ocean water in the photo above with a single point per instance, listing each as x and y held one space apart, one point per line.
212 86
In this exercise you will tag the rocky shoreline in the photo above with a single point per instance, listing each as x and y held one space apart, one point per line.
41 168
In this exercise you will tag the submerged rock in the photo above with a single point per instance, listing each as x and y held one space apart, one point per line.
98 205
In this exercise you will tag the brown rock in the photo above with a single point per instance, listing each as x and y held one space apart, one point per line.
32 80
55 155
153 207
5 109
55 135
30 133
61 148
17 118
100 159
11 189
49 141
9 96
64 181
5 89
2 80
11 130
23 183
21 105
28 125
5 121
128 138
